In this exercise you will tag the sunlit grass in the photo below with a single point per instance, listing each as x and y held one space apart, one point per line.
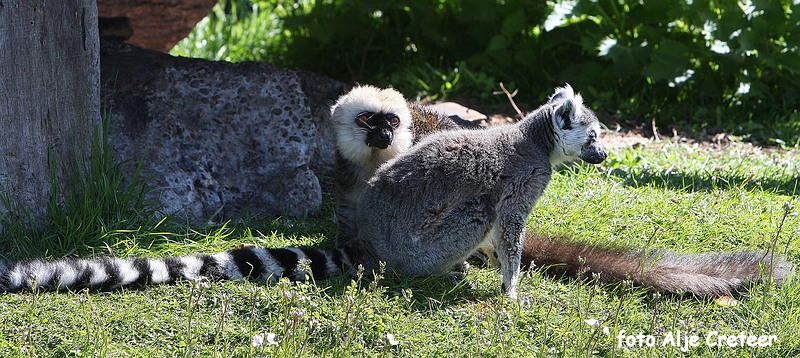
681 204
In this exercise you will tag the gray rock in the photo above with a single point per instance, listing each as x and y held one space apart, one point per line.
239 139
455 110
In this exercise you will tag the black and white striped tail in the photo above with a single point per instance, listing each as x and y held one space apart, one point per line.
107 273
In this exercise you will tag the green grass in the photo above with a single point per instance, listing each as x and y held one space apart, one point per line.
239 33
673 196
95 204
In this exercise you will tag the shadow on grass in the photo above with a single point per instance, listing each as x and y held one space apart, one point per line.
428 293
692 183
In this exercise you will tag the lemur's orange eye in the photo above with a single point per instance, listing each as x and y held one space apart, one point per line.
393 119
363 117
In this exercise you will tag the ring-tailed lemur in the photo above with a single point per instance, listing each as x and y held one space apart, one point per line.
264 264
709 274
430 208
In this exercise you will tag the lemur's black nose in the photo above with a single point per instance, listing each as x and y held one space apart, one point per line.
381 139
594 154
385 136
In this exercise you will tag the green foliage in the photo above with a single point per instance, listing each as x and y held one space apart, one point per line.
704 63
730 65
236 30
422 44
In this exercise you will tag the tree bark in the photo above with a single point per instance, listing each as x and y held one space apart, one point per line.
49 93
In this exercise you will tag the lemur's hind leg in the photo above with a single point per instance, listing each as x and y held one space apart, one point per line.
447 241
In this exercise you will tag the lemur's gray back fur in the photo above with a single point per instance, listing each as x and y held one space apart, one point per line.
428 209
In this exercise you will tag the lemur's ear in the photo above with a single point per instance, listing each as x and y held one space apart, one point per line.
562 93
565 114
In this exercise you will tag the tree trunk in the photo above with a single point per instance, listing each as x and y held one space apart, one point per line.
49 93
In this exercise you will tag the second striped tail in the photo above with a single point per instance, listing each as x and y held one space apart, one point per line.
107 273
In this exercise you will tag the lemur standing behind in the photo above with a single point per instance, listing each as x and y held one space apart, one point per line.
371 126
709 274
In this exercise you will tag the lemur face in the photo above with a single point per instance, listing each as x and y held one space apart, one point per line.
379 126
372 125
592 150
577 127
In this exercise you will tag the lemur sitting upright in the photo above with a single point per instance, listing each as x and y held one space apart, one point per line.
709 274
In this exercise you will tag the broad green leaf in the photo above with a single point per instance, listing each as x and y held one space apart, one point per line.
514 24
668 60
497 43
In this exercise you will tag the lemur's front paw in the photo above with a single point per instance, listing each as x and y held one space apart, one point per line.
510 292
459 278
